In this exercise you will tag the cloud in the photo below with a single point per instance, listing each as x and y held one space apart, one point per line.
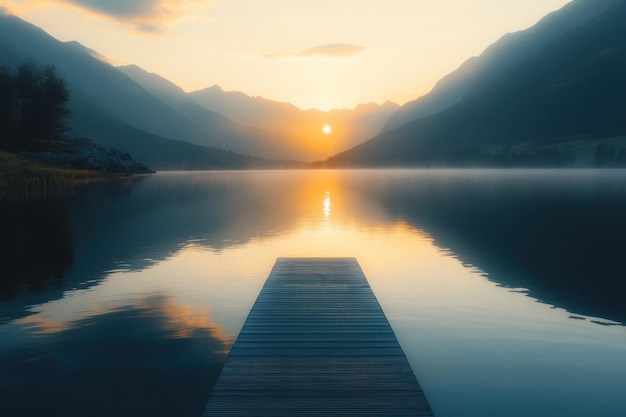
148 28
122 9
148 16
333 50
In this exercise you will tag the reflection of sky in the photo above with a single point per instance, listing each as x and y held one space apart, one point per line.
477 348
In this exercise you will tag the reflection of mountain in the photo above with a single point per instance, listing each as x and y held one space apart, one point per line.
163 213
134 223
35 246
545 96
153 358
560 235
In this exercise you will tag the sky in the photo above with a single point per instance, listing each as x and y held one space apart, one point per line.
314 54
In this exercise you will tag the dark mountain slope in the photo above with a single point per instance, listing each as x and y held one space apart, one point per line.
571 89
498 59
91 120
231 133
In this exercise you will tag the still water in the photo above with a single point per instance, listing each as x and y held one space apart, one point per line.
505 288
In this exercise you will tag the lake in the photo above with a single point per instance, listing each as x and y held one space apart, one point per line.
505 288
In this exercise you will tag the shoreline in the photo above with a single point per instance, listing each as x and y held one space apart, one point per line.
22 177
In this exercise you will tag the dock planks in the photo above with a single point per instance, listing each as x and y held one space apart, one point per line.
317 343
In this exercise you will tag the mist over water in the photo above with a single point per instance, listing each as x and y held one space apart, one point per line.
503 287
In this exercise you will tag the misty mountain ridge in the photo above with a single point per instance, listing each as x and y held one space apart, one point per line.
350 126
295 133
560 104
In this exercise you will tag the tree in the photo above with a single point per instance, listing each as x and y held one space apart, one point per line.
8 100
55 98
33 105
42 97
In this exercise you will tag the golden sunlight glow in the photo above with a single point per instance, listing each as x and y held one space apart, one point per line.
327 205
327 129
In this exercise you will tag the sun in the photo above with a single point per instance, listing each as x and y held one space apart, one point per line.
327 129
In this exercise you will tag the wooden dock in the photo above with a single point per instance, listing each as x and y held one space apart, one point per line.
317 343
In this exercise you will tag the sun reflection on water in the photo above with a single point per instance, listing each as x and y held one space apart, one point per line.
327 206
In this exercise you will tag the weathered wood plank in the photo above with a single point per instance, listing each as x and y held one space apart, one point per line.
317 343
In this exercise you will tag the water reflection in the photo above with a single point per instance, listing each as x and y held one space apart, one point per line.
164 271
327 206
153 357
35 246
558 234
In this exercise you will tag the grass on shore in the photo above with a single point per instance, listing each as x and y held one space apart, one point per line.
16 168
19 174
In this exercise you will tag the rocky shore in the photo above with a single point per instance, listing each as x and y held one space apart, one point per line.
82 154
58 167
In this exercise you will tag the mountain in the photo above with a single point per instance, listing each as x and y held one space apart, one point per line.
561 102
104 97
294 133
92 121
135 105
350 127
161 88
498 59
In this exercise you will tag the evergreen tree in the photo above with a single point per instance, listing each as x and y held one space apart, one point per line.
8 106
33 105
